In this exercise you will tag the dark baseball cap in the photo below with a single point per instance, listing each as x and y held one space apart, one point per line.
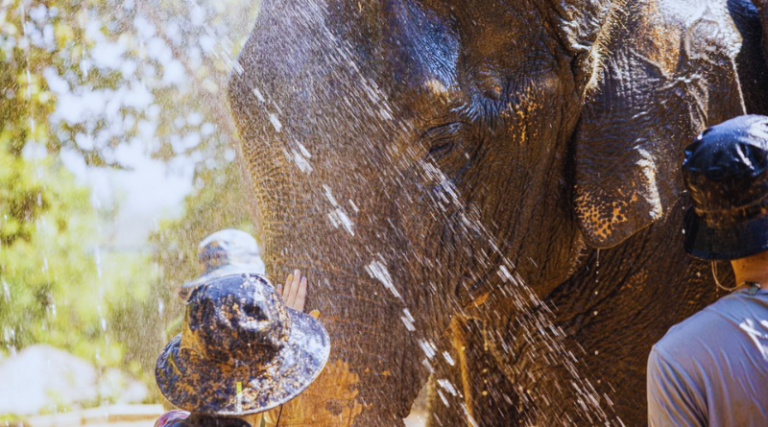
726 173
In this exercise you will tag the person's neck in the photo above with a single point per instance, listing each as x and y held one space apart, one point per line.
752 269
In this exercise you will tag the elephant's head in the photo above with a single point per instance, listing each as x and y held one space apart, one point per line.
405 150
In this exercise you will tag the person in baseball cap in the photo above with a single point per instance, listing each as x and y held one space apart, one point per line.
712 368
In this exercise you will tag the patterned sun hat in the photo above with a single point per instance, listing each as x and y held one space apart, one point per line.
222 253
241 351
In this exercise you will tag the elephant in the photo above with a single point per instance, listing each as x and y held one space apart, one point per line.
486 194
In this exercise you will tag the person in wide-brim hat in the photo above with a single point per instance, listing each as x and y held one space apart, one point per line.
241 351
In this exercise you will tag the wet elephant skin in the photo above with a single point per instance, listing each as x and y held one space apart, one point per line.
414 155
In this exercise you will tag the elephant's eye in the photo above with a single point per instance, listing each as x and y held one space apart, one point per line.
448 149
442 140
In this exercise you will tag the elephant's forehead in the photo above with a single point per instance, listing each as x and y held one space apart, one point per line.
701 26
302 79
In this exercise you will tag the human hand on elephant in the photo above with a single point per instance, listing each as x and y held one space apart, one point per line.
294 293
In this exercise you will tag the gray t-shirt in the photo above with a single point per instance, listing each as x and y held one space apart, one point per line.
712 368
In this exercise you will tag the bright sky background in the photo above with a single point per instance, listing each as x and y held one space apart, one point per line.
151 191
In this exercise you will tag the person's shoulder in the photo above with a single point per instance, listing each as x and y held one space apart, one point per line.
710 327
696 331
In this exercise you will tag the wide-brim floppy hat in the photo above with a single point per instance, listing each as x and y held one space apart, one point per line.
241 351
222 253
726 173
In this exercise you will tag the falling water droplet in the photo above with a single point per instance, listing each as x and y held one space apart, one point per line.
275 122
448 358
597 260
97 259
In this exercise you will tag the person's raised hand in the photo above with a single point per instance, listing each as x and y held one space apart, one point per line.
294 293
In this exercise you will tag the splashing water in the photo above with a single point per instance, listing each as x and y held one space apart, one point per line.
535 319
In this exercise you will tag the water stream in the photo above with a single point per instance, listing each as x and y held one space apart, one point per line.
375 116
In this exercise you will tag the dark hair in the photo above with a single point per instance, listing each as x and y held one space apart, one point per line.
202 420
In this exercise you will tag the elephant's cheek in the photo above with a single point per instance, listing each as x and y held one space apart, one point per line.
329 400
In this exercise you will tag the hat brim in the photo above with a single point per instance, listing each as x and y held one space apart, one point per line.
210 387
737 241
186 289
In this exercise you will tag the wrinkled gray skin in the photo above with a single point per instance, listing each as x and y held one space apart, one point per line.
404 151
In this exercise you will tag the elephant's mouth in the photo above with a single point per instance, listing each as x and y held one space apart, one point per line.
477 289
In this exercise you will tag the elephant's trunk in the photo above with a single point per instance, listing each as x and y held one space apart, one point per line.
302 106
353 283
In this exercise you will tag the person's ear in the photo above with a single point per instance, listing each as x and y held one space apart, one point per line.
629 143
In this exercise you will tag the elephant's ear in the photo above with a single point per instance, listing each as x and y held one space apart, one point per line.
646 103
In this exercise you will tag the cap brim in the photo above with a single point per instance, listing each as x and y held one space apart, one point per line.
186 289
210 387
738 241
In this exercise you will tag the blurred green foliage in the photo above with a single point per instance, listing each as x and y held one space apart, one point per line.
62 281
47 266
51 280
